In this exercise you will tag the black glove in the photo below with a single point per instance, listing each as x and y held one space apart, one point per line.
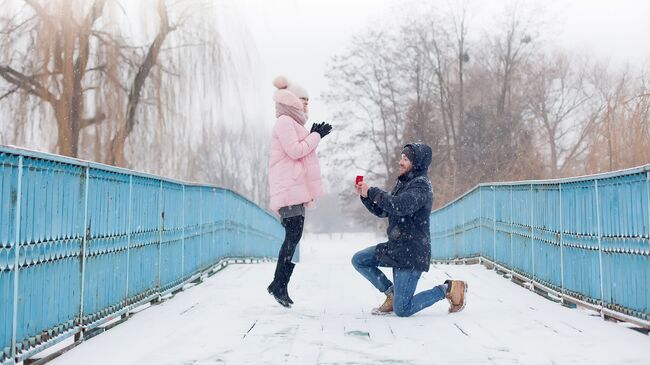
323 129
315 126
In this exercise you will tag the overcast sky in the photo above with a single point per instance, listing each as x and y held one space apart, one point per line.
297 38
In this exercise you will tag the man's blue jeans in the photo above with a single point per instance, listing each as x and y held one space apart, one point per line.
405 304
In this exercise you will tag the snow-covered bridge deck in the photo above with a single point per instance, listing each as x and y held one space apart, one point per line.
230 319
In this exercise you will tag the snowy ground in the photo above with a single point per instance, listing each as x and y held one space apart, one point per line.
230 319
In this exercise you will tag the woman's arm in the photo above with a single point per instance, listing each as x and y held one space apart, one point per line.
288 137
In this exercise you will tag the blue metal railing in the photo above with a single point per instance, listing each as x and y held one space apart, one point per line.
83 243
584 239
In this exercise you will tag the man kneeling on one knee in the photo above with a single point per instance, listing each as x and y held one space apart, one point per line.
408 250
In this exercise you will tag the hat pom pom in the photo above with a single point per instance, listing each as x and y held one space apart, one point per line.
281 82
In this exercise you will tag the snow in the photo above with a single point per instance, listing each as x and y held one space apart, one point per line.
230 319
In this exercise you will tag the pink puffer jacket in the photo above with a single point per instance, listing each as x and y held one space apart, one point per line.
294 171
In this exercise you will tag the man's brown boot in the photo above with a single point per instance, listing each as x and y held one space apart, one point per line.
386 307
456 295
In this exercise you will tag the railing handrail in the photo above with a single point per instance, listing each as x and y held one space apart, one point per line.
563 180
121 170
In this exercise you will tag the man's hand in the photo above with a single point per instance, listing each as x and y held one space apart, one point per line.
362 189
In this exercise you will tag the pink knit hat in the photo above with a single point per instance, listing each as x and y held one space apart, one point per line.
289 93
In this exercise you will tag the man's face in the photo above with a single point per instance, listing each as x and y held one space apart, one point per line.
405 165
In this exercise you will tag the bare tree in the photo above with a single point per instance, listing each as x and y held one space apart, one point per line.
447 97
103 86
444 38
561 103
622 133
235 159
433 38
367 85
509 48
125 127
504 58
51 60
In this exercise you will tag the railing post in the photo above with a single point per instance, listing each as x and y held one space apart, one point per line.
561 242
161 226
244 226
201 229
445 220
445 238
647 188
223 231
494 224
600 250
128 243
512 225
463 226
84 254
480 220
19 194
183 235
213 224
452 234
215 235
532 229
247 218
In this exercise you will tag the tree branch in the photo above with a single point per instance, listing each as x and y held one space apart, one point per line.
27 83
117 144
146 67
40 11
98 118
9 92
101 68
84 40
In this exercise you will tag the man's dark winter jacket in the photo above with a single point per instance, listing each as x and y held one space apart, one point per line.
408 208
